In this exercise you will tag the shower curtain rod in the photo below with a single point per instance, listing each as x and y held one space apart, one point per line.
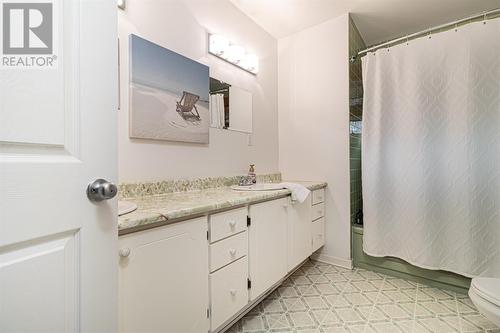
427 31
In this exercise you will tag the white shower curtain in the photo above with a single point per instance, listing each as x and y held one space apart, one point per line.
431 151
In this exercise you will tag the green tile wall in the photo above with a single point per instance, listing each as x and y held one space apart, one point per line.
356 44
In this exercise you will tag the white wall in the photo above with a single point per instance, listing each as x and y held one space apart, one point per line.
182 26
313 104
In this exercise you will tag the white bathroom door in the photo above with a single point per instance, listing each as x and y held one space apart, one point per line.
58 99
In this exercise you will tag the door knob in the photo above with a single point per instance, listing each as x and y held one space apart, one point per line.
100 190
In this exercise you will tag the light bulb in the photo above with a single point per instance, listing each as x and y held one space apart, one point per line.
235 54
221 47
218 45
250 63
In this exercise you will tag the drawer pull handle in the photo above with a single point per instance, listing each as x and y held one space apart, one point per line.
232 252
232 224
125 252
233 292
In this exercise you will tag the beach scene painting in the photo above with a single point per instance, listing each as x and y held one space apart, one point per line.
169 94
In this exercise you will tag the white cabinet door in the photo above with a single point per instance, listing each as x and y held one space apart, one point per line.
228 290
267 245
318 234
299 232
163 279
58 264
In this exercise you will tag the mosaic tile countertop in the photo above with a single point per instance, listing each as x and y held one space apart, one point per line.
139 189
161 208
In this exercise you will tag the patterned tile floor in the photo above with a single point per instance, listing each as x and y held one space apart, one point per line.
325 298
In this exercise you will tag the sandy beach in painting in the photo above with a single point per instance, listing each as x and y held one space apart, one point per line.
154 116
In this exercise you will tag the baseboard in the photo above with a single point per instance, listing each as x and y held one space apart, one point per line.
345 263
416 278
402 269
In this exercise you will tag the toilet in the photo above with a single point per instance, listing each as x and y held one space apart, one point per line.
485 294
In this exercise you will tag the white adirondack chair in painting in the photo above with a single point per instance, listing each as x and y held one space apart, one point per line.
186 105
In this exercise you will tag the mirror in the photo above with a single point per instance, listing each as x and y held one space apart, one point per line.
230 107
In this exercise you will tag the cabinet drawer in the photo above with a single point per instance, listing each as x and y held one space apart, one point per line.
229 293
318 234
228 223
318 196
318 211
228 250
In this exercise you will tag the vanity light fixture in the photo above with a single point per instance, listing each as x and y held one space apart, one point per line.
121 4
222 48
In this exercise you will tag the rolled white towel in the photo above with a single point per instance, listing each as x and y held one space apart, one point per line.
299 192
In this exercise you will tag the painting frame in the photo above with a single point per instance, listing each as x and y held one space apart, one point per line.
168 94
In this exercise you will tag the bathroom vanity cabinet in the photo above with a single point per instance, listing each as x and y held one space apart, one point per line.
268 245
163 285
299 230
228 261
318 219
202 274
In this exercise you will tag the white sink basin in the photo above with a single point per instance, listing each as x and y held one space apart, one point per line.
258 187
125 207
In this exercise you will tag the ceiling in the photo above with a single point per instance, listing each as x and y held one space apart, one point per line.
377 20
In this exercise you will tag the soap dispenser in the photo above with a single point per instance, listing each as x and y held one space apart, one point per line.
251 174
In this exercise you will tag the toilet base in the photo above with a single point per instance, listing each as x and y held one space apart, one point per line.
486 308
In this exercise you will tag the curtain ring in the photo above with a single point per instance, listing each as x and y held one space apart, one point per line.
484 18
456 27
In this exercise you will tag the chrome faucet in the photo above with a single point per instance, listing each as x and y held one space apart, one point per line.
245 181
